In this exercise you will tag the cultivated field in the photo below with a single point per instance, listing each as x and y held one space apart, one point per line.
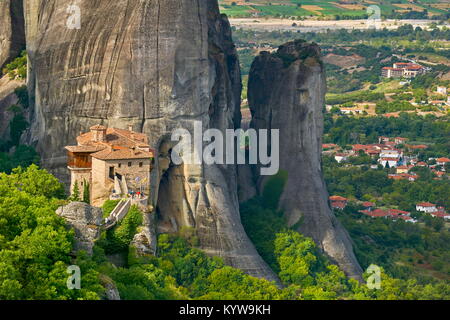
334 9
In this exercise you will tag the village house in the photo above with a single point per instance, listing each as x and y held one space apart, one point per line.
402 169
404 176
338 202
390 72
368 205
394 214
391 158
439 174
339 157
403 70
437 102
383 140
376 213
426 207
114 162
441 213
442 161
400 140
416 147
328 146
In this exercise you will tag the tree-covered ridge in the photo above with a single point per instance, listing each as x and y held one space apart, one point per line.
35 244
303 269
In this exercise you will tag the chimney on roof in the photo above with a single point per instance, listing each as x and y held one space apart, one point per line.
98 133
130 127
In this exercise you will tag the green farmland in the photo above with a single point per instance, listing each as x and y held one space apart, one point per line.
336 9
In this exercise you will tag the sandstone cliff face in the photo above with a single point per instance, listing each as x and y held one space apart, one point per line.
156 65
12 33
286 92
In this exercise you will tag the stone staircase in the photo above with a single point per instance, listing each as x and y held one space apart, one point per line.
119 212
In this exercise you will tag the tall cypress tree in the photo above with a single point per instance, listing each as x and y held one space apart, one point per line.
86 192
75 193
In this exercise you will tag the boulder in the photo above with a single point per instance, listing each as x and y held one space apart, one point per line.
86 221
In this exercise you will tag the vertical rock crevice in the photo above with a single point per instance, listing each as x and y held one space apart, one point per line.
12 30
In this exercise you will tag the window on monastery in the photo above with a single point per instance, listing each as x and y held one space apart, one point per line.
120 165
141 164
129 164
111 173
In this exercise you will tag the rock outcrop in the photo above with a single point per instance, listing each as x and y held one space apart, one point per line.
286 92
86 221
145 242
155 65
111 291
12 31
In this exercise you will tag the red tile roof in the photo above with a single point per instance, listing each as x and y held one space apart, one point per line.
338 198
378 213
426 204
417 146
122 154
396 212
116 144
440 214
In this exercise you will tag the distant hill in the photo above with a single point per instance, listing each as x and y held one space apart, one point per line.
336 9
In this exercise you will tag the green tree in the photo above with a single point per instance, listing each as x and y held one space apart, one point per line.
75 193
86 192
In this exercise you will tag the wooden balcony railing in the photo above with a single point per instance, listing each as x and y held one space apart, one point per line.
79 161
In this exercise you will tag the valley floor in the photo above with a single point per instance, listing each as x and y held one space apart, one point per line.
272 24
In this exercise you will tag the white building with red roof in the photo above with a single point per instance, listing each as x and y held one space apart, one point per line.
338 202
403 70
426 207
442 161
